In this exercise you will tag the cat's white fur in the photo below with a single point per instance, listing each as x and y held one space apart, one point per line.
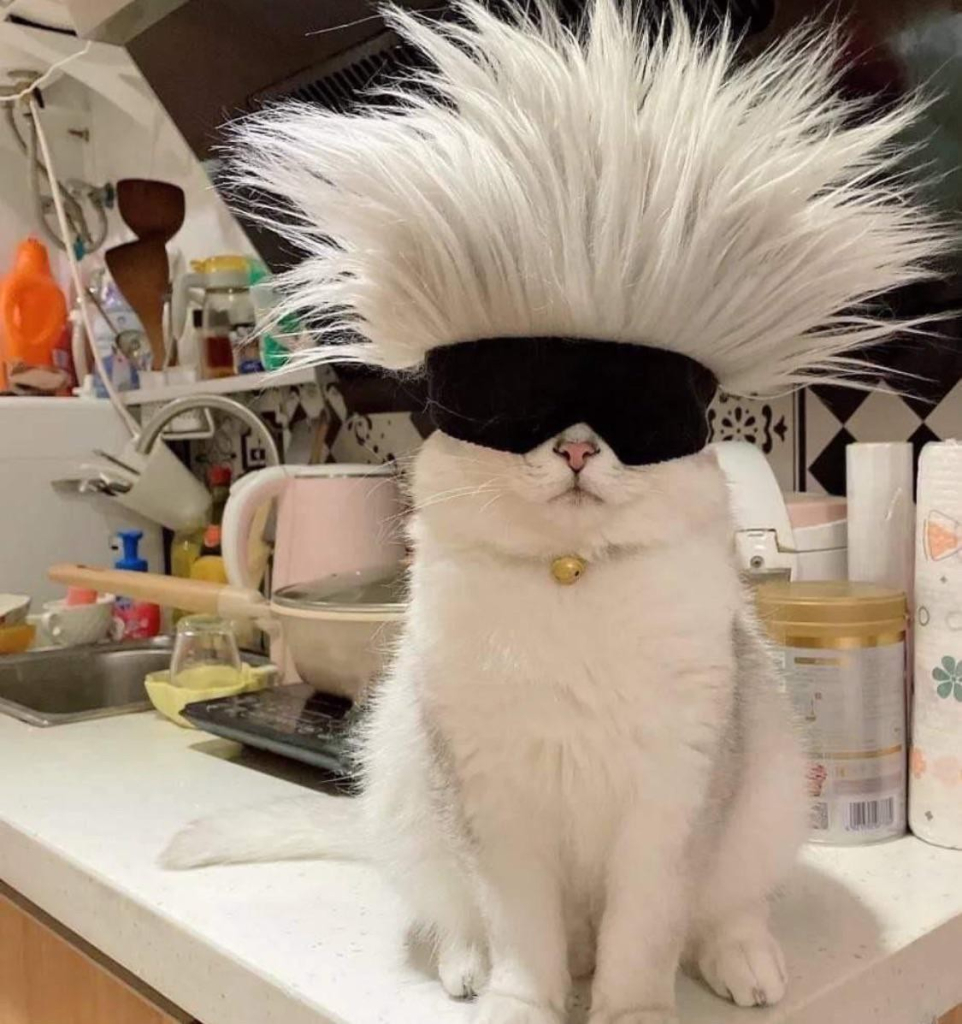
604 772
550 770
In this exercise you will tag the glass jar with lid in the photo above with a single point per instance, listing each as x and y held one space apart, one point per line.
227 318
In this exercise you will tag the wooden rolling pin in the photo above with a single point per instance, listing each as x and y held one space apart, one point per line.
168 591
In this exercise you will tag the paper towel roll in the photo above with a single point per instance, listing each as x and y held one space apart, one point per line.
881 515
935 786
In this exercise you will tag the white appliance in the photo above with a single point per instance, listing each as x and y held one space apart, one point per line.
801 536
43 440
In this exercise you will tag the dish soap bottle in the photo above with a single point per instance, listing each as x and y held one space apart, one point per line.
33 313
133 619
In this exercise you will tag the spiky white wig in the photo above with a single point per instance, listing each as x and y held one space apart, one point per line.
617 183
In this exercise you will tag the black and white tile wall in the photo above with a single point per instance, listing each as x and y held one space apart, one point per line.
803 435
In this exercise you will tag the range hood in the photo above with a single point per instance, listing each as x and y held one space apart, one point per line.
117 21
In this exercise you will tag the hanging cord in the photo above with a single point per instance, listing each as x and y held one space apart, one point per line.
96 197
115 400
40 82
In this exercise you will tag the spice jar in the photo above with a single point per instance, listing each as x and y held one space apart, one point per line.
842 648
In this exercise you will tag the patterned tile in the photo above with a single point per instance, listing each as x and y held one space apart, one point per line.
920 438
375 438
359 418
841 402
882 418
946 419
827 471
768 424
821 426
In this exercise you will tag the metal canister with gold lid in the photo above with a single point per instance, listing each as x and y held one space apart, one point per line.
842 647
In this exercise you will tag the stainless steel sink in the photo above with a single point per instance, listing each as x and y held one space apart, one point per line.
56 686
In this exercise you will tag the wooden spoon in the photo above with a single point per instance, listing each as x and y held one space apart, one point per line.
151 209
141 272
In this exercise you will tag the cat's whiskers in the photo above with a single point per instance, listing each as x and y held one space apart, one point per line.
455 493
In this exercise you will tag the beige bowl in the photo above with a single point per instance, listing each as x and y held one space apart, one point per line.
341 630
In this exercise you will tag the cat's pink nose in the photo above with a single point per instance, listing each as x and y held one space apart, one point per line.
576 453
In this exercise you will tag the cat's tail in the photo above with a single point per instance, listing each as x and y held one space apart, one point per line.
299 828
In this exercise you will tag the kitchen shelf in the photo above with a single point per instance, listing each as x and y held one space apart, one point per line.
223 385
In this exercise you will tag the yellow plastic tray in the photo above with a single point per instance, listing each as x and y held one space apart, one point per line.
170 699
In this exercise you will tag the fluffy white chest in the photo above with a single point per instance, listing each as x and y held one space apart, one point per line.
571 697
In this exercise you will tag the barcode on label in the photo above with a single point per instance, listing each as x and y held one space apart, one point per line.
869 814
819 815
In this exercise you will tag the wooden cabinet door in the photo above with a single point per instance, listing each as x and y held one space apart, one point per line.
47 978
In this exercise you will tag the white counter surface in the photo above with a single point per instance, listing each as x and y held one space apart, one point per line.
872 934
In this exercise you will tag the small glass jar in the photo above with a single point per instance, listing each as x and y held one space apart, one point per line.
842 648
227 318
205 653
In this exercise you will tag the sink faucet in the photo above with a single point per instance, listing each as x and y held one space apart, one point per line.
179 501
152 430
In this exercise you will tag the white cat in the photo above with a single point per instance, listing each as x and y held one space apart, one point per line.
601 775
549 769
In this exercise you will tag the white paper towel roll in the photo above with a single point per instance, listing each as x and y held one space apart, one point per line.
881 515
935 786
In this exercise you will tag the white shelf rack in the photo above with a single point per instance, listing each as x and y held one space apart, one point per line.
222 386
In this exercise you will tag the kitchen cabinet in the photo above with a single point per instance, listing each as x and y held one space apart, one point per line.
48 976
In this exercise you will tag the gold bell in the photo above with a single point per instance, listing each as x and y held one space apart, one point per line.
568 569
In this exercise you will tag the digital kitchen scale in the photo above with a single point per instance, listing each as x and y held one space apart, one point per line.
294 721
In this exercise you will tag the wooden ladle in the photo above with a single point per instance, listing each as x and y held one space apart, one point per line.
151 209
140 271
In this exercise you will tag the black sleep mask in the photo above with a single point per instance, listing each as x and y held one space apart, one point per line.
514 394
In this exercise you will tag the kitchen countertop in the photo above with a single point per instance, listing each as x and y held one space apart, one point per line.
871 933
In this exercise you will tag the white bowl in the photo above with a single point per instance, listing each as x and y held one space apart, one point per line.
66 625
13 609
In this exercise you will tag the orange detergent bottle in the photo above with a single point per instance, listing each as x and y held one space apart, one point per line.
33 312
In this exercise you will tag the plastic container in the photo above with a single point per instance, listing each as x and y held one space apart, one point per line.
134 619
33 317
210 566
209 563
218 482
842 647
274 353
115 322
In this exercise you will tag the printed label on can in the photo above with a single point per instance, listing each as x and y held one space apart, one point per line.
852 705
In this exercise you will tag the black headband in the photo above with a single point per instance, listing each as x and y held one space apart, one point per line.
514 394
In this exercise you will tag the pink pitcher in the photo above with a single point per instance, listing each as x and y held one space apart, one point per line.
330 519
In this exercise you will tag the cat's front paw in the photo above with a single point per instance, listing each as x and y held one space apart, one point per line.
748 969
494 1008
462 968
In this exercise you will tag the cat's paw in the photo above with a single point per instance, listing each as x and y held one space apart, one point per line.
747 968
494 1008
462 968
